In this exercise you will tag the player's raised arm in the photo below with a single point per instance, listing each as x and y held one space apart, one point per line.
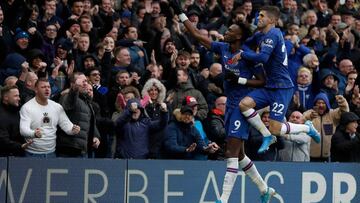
176 5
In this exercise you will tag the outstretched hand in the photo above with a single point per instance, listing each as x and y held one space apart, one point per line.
176 5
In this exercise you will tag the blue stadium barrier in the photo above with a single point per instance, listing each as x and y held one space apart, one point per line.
170 181
66 180
3 177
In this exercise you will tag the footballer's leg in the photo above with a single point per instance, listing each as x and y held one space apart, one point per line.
260 99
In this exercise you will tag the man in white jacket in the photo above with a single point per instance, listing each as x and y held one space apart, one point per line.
39 118
297 147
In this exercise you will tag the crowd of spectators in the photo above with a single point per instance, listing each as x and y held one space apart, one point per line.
124 79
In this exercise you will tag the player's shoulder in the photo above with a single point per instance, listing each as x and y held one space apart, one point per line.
219 47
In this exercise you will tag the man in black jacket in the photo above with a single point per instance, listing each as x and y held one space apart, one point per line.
77 105
345 143
11 142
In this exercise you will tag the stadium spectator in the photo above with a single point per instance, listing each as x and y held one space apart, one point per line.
329 85
305 89
308 18
39 119
11 142
345 143
185 88
345 67
105 125
157 92
215 127
133 129
350 84
325 120
77 106
296 51
138 54
191 102
182 139
296 147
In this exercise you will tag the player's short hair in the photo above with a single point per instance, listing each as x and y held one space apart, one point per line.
272 11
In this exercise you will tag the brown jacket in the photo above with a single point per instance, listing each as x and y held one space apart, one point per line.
326 125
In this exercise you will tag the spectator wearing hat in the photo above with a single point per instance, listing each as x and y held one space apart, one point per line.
182 139
154 89
21 39
62 66
37 64
325 120
69 30
11 66
133 129
90 61
328 85
125 17
345 143
193 16
191 102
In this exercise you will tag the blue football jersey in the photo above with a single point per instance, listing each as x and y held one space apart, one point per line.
271 52
242 68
